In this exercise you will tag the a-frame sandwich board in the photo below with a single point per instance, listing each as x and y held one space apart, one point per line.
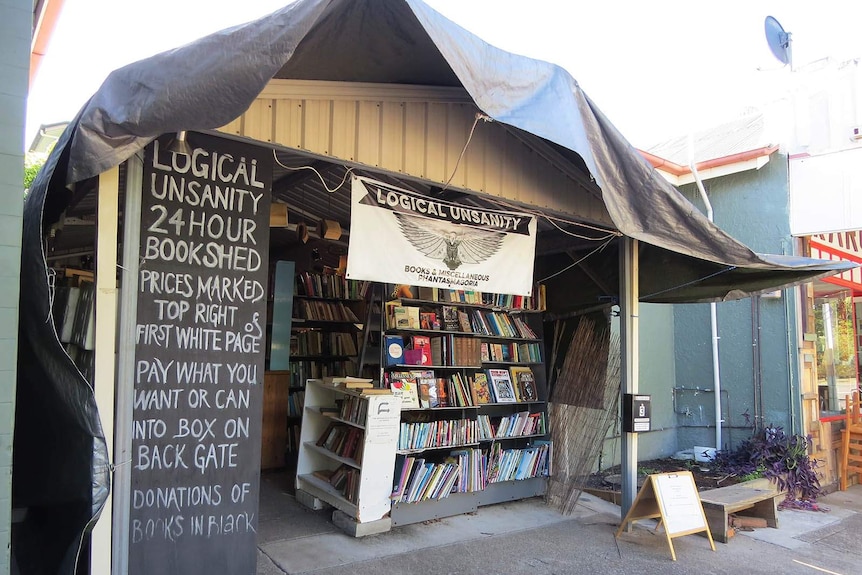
673 499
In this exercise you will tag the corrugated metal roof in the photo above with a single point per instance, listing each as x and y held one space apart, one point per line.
739 135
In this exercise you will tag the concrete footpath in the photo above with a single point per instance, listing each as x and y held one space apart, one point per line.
529 537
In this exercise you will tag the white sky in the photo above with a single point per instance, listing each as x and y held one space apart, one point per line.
656 69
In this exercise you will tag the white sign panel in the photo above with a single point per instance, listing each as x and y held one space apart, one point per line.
680 504
826 193
399 236
383 420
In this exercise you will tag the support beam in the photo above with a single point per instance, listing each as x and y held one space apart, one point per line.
106 330
126 363
629 363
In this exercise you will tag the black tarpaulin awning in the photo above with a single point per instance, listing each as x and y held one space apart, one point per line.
209 82
213 80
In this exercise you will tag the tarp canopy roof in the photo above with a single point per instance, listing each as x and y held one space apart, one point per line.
209 82
213 80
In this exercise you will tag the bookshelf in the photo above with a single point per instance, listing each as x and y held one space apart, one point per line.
326 327
347 454
315 332
474 424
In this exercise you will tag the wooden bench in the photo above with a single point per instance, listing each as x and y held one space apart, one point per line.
758 498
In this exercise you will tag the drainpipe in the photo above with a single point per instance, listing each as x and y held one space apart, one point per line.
713 316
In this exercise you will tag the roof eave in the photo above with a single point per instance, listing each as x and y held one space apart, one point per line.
713 168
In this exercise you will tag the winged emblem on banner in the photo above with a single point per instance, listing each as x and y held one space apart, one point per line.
450 243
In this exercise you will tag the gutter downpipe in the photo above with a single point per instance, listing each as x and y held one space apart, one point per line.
713 315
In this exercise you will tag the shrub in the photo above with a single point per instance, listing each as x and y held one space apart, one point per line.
781 458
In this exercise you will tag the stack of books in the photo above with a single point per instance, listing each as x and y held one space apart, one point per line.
418 480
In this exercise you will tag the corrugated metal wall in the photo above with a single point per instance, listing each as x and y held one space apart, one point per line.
419 132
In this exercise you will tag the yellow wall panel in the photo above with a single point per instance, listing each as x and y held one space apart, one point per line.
457 128
288 123
436 168
495 159
317 115
392 143
344 129
258 121
474 158
384 129
368 136
234 127
415 138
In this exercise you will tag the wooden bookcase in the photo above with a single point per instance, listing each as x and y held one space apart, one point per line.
275 419
370 426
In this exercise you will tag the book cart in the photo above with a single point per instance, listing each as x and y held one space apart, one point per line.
347 454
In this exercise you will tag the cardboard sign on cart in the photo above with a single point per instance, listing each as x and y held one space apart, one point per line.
673 499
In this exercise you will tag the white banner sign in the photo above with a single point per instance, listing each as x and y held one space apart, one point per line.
401 237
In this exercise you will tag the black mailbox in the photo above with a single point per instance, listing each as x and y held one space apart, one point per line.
636 413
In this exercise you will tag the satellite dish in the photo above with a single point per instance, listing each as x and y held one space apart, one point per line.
778 40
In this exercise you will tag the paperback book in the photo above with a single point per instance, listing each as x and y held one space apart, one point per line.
525 383
479 388
501 386
405 385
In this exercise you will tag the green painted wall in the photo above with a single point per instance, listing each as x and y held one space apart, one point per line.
753 207
656 378
15 27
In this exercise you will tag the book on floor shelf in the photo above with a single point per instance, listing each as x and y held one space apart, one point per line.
344 479
472 466
318 310
342 440
479 389
295 403
419 480
437 434
334 286
519 424
459 391
427 383
515 302
352 409
519 463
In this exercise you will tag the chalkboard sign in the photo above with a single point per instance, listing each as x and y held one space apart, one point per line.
199 358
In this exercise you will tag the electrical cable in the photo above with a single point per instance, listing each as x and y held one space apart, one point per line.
558 218
573 264
551 220
52 287
479 116
686 284
313 169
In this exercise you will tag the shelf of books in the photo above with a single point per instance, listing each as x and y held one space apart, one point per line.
326 327
433 484
347 450
469 368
